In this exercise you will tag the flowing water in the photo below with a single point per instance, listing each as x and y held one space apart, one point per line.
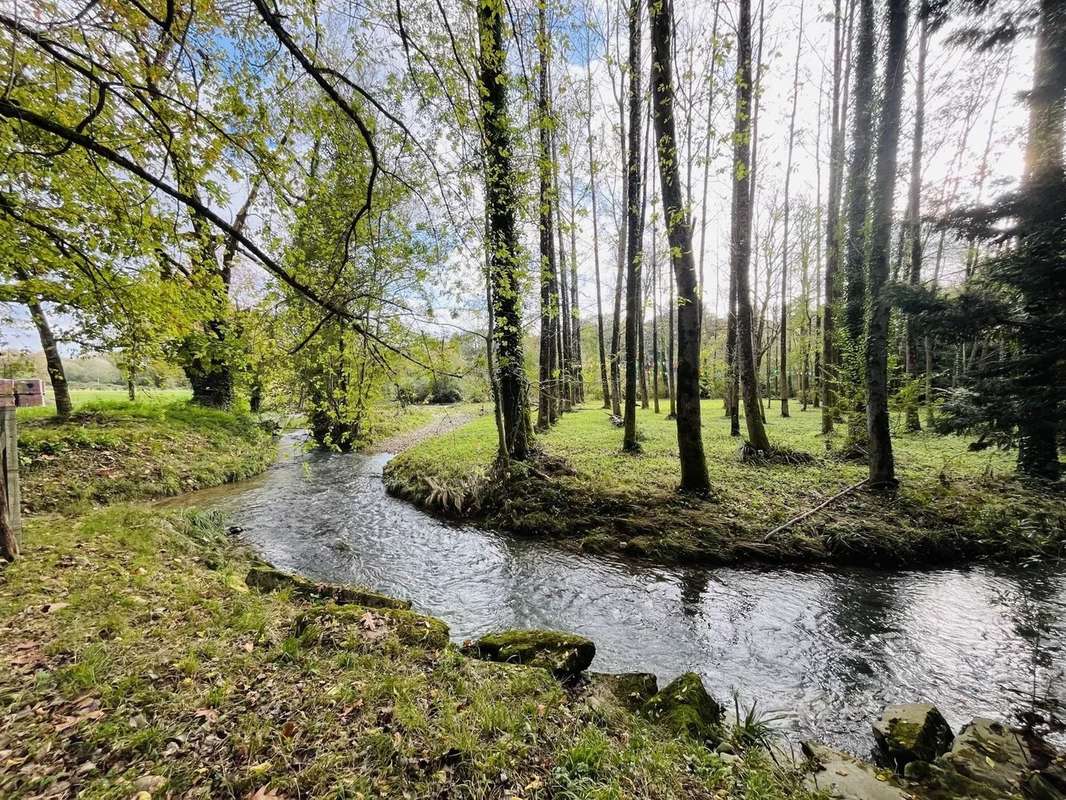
822 650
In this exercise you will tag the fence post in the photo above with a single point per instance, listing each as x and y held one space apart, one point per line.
10 511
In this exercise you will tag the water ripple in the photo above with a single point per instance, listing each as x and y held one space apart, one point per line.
823 648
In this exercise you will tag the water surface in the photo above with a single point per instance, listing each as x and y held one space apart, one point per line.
821 649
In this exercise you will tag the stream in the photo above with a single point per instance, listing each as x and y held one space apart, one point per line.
821 650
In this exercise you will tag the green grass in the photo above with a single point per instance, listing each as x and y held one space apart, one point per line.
134 658
953 503
82 397
114 450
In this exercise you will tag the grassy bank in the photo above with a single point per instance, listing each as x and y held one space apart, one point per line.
135 662
953 504
117 450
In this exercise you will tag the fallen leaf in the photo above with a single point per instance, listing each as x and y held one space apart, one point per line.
149 783
263 793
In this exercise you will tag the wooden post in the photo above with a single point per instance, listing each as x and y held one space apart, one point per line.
10 522
12 394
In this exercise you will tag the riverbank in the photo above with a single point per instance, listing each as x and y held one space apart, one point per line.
954 505
111 451
136 662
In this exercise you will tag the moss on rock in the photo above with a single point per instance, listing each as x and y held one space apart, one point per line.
269 579
564 654
337 625
627 689
911 732
685 707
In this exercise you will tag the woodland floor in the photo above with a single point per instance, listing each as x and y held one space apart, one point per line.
136 663
953 505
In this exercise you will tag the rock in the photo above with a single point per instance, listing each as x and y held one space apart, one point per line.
988 753
1040 787
939 781
911 732
339 625
684 707
564 654
628 689
269 579
844 777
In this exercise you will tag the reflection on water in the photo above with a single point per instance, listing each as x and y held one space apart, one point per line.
824 649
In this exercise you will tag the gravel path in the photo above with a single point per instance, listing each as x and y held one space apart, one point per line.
448 419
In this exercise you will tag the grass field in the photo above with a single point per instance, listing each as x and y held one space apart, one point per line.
82 397
952 502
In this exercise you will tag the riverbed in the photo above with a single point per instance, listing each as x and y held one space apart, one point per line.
821 651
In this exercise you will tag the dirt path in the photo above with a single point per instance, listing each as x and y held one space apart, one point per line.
449 419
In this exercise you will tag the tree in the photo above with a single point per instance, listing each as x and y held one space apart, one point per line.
600 339
914 208
783 341
740 234
832 224
634 234
694 476
501 235
548 389
858 204
882 464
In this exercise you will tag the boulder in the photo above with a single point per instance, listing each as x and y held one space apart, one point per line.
685 707
628 689
911 732
339 626
843 777
989 753
563 654
269 579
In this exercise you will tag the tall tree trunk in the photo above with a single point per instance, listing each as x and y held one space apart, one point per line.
830 359
654 309
548 394
858 203
52 359
731 356
783 357
602 348
633 232
671 349
740 238
914 213
1038 432
490 357
616 327
708 135
566 342
679 233
501 234
882 463
646 178
578 373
